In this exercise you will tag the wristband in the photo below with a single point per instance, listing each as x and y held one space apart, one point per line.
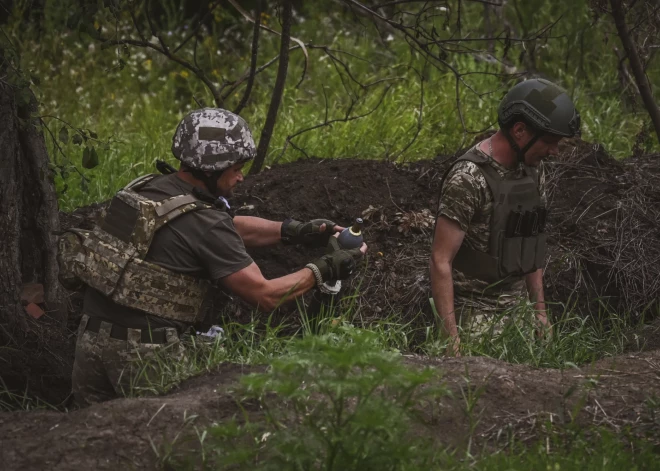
317 273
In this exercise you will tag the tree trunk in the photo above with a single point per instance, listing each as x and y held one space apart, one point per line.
278 90
619 16
28 218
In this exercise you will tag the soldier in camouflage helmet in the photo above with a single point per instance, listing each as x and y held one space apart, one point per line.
490 242
163 242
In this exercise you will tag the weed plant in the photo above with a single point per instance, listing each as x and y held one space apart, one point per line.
11 401
335 402
339 401
575 339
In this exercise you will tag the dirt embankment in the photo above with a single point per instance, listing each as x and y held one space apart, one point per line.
515 399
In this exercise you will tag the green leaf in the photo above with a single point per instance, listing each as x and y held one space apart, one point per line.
77 139
92 134
64 135
35 80
90 158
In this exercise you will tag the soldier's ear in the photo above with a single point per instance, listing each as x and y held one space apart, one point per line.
519 129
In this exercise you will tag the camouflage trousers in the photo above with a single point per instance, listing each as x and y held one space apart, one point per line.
486 315
105 367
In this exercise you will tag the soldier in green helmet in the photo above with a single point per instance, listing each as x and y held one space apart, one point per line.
490 241
164 242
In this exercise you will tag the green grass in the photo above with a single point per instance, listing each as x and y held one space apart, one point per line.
341 401
577 340
12 401
134 107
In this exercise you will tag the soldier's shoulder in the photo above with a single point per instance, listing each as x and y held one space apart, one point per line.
465 172
464 167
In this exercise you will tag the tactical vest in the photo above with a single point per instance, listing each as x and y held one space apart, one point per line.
517 244
110 258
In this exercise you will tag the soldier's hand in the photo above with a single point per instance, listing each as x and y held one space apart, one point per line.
314 233
338 265
543 326
454 347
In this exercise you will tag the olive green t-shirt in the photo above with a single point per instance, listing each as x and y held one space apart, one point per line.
202 243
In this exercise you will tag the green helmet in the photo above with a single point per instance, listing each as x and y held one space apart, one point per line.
544 105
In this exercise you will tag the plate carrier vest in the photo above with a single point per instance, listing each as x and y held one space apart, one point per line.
517 244
110 258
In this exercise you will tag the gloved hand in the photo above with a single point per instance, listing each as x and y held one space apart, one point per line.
338 265
307 233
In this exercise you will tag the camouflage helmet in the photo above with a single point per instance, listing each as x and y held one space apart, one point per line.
542 104
212 139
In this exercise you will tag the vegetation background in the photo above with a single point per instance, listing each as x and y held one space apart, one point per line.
131 98
110 108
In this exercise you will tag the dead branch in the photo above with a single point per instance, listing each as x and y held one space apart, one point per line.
619 17
295 40
278 89
253 60
326 122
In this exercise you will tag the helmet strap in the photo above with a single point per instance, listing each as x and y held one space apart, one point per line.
520 152
209 181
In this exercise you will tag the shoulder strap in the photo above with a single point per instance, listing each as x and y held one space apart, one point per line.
172 204
534 173
473 156
478 159
139 182
171 208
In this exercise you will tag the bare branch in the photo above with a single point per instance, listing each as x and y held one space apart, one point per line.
347 117
199 25
645 90
296 40
253 60
420 119
166 52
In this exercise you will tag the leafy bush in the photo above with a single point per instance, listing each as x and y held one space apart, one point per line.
334 402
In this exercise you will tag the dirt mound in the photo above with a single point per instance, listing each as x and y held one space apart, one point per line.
602 226
603 241
514 399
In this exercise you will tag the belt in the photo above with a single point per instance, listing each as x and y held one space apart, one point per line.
121 333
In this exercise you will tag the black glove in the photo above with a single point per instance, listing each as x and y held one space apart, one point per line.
334 266
307 233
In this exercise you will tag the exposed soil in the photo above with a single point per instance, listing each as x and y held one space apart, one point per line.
603 250
133 433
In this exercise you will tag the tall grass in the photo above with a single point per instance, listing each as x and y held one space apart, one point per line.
339 401
575 341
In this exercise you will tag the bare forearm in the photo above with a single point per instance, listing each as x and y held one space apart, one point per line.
442 289
258 232
286 288
534 282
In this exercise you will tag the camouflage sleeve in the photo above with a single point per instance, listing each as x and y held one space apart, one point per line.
462 193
